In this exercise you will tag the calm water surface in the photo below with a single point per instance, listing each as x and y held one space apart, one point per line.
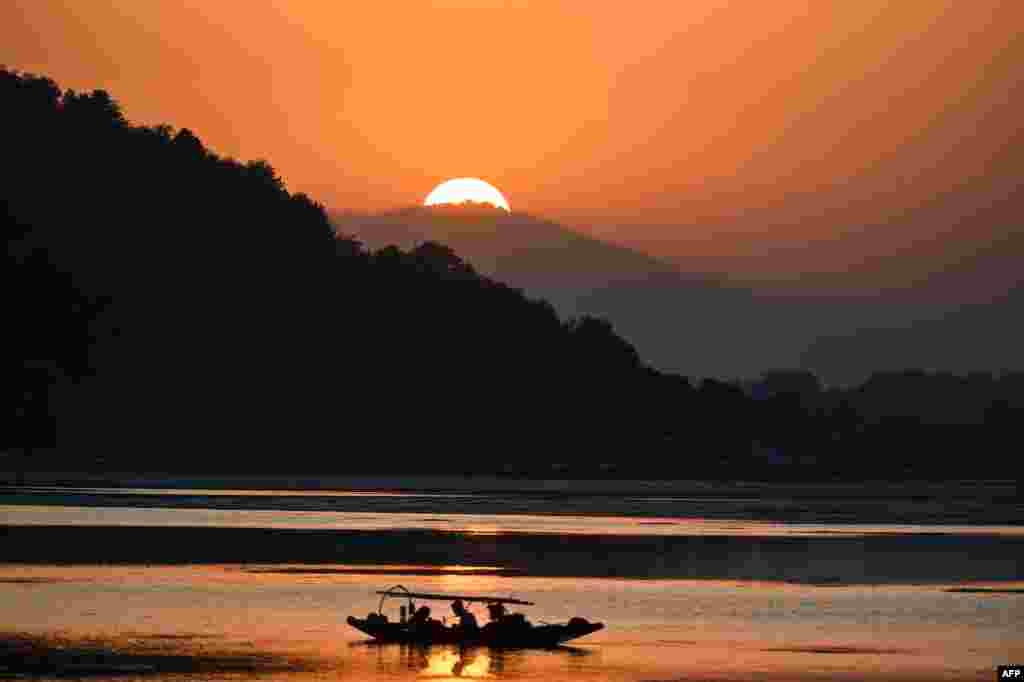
796 609
656 629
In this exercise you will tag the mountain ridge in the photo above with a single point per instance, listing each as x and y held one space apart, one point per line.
693 324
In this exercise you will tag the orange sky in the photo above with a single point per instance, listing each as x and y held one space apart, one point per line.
770 140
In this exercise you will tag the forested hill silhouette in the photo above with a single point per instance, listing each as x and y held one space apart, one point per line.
175 302
684 323
169 309
701 324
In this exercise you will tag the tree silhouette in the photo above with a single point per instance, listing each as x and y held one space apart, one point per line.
177 310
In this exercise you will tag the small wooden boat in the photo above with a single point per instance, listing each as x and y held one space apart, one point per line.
511 631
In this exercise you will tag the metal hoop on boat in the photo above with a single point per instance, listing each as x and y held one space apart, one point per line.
386 594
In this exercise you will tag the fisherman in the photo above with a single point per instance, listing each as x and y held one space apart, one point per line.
421 616
496 611
500 616
467 621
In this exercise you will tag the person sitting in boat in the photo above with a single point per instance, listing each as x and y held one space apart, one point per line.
500 615
516 621
496 612
502 621
467 621
420 617
496 624
423 625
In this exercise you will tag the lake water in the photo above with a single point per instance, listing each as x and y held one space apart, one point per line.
737 591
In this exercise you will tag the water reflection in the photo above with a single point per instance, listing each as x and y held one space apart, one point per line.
436 662
215 513
768 511
448 662
469 663
657 630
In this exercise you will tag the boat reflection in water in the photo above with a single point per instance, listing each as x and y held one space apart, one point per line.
438 662
467 663
450 661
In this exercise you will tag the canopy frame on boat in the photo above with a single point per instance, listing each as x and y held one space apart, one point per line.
402 591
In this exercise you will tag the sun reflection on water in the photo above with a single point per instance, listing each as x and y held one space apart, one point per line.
448 664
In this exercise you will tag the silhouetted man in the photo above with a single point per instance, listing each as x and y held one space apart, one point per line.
467 621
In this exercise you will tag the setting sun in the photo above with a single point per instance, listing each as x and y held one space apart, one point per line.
461 190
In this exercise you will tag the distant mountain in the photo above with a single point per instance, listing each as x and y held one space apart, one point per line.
679 322
696 324
982 336
517 246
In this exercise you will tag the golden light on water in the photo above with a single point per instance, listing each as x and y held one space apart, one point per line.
449 664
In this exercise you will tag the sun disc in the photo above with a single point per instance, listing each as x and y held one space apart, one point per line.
461 190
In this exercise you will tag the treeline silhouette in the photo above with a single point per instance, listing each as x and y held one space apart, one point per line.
168 309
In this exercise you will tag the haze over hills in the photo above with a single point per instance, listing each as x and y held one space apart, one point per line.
970 338
675 320
696 324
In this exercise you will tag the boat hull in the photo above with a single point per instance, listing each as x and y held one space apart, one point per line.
532 637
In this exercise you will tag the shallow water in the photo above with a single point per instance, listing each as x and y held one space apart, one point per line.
526 545
673 629
490 523
742 592
832 506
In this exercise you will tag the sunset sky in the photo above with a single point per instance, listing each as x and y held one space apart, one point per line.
849 145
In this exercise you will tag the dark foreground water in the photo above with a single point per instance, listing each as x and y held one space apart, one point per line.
748 589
